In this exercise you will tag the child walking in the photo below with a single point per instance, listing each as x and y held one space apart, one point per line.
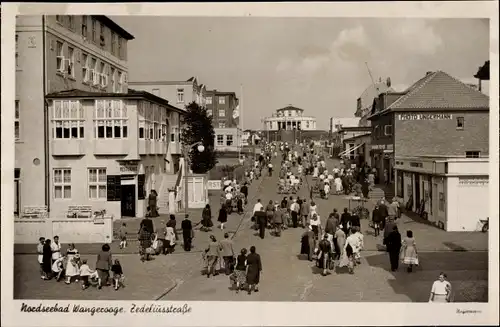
86 274
122 233
118 277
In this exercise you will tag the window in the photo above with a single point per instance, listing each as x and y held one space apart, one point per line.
113 43
222 113
60 56
119 54
59 19
220 140
222 125
71 62
229 140
441 201
85 67
472 154
123 82
119 84
17 50
16 122
180 95
101 36
97 184
68 120
62 183
209 100
460 122
209 112
113 80
84 26
175 131
94 29
388 130
71 20
222 100
103 75
110 119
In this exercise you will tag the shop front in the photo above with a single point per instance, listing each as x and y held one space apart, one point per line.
382 158
450 193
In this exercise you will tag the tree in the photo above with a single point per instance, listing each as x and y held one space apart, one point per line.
199 128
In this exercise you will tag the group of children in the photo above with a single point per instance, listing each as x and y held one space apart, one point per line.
54 265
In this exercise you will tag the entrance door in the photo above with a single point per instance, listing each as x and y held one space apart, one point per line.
128 200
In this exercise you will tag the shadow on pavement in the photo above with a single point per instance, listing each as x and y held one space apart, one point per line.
454 247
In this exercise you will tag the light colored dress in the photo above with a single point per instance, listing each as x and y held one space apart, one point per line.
408 254
352 240
338 184
71 266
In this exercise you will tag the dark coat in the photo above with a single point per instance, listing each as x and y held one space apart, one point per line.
383 211
331 225
148 225
345 218
355 221
104 261
307 243
47 258
206 219
377 215
222 215
393 242
278 217
389 225
187 228
254 265
244 190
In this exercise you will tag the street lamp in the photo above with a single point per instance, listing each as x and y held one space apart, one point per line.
185 151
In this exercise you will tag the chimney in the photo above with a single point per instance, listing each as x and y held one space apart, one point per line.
428 73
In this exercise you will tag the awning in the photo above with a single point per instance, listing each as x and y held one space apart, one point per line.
350 150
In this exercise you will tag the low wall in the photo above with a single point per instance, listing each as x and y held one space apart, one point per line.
69 230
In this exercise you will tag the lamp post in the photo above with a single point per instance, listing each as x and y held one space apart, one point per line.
185 151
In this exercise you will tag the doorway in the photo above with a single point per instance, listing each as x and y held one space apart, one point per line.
417 192
128 200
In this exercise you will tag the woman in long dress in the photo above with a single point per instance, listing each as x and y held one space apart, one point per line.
72 268
47 259
338 184
441 290
240 270
307 243
206 218
254 268
347 257
359 244
408 253
145 242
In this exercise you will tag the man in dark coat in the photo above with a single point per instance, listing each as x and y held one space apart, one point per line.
261 219
376 219
244 190
389 227
187 233
254 265
384 213
345 219
393 243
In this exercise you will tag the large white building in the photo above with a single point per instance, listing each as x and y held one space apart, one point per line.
289 118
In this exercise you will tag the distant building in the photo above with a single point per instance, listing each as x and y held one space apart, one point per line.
289 118
177 93
432 139
221 106
365 101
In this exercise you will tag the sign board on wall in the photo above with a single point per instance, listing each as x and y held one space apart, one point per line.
473 181
214 185
129 169
436 116
382 146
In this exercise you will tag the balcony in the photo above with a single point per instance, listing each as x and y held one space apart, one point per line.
146 147
68 147
175 148
112 147
160 147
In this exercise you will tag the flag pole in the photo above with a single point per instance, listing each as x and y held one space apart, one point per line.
240 122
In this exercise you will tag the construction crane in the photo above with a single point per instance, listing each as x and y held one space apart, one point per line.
371 77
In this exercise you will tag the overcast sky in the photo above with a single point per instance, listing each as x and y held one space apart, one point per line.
317 64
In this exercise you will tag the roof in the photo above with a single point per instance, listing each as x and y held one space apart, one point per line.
215 92
187 82
372 92
355 129
290 107
438 91
356 137
131 94
114 26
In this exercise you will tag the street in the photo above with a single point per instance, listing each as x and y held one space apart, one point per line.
285 277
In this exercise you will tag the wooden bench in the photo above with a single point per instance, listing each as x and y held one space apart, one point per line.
79 211
35 212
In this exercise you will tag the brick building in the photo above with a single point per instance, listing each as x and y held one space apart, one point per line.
221 106
429 137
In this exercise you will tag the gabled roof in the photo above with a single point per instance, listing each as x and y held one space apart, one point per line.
131 94
438 91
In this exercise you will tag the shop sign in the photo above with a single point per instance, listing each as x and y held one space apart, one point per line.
214 185
473 181
416 165
129 169
425 116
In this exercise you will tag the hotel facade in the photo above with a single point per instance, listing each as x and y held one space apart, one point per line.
83 138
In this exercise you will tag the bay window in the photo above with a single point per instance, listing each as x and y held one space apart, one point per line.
110 119
68 119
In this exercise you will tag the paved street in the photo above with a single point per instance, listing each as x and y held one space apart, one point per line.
285 277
